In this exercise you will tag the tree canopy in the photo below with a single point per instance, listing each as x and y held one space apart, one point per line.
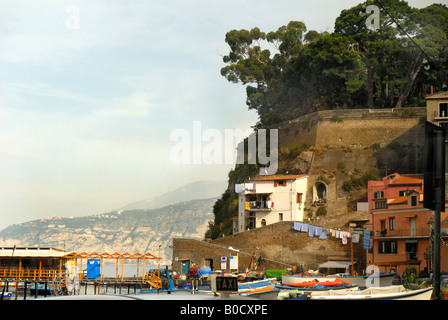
292 71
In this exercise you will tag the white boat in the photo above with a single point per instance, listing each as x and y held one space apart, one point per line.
373 280
383 293
294 293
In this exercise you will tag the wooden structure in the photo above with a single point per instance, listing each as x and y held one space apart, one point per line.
37 263
153 279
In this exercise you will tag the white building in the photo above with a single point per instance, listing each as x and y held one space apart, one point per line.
267 200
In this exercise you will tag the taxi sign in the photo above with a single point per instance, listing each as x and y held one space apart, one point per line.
220 283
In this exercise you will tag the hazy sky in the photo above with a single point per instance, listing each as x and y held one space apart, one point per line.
91 90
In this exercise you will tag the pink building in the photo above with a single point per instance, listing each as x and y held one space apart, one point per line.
391 186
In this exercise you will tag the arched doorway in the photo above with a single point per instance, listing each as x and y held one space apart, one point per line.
320 192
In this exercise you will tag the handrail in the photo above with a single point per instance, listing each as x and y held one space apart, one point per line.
35 274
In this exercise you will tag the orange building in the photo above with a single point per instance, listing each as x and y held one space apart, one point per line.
400 229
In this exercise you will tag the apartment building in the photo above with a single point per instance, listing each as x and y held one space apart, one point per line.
401 227
267 200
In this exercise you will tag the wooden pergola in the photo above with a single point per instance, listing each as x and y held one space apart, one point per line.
152 278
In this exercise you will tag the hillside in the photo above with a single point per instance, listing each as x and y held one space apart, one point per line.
119 231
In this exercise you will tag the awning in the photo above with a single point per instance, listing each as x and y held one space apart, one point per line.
336 264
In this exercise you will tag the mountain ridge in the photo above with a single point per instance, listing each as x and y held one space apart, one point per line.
138 230
203 189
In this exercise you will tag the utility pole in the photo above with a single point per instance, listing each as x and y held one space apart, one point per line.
439 186
434 189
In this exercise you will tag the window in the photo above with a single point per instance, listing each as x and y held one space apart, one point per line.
280 217
380 205
391 223
280 183
299 198
414 201
404 193
443 110
383 225
387 247
379 195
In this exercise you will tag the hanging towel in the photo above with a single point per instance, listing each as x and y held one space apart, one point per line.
304 227
344 238
311 230
356 238
323 235
318 231
297 226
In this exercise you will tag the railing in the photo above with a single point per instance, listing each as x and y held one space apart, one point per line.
35 274
154 280
260 205
418 232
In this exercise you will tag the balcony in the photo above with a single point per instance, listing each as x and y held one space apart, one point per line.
259 205
402 233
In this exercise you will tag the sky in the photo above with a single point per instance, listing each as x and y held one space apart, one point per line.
91 92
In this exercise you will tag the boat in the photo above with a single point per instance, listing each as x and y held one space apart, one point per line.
338 282
373 280
298 294
256 283
5 295
299 278
269 292
382 293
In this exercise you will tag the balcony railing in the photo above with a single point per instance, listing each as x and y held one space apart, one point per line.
418 232
35 274
260 205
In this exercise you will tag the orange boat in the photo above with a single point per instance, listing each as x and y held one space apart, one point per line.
314 282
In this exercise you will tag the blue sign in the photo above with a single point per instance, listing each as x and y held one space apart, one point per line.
93 268
366 243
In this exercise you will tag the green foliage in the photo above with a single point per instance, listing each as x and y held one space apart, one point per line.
293 152
291 71
336 118
321 211
358 182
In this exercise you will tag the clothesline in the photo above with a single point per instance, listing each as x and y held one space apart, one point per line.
323 233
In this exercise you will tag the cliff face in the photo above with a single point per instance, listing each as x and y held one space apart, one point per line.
345 148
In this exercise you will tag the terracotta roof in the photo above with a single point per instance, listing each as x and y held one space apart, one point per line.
402 199
406 180
280 177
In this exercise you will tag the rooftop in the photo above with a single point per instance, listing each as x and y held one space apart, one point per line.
280 177
31 252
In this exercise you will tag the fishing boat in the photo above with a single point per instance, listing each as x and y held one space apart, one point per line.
5 295
256 283
323 284
300 278
298 294
373 280
382 293
269 292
